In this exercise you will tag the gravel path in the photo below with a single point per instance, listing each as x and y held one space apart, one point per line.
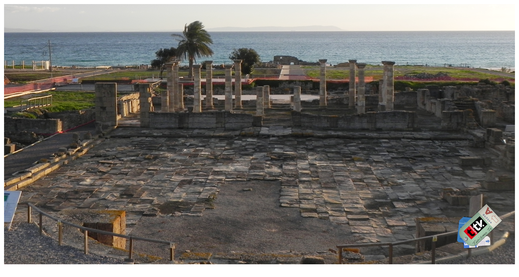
505 254
24 245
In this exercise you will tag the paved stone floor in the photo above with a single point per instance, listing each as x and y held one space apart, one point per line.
373 187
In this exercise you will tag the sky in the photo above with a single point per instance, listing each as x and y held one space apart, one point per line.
156 16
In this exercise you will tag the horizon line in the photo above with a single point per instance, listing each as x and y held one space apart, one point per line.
253 31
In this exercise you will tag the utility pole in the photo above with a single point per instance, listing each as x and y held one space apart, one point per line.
50 60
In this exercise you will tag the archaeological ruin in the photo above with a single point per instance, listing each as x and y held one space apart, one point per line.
231 174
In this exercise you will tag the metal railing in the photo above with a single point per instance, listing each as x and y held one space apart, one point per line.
433 239
60 224
36 102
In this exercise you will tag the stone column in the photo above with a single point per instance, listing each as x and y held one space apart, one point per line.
352 92
145 103
260 111
209 85
381 95
420 98
166 95
106 106
322 84
389 84
361 97
237 84
228 87
197 89
266 97
174 100
297 99
180 96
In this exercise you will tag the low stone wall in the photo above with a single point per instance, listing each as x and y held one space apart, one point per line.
405 100
387 121
44 168
453 120
38 126
73 118
205 120
486 116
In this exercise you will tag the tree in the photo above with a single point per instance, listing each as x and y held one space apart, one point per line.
249 58
163 56
193 43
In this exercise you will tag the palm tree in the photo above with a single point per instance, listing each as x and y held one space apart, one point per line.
193 43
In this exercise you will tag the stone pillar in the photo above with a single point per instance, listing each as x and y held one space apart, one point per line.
352 93
260 111
237 84
228 87
297 99
209 85
174 99
381 102
145 103
389 84
361 98
266 97
106 106
197 89
421 97
166 95
180 96
322 84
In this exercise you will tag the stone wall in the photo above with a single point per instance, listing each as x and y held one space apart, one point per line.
73 118
205 120
405 100
38 126
506 111
486 116
453 120
386 121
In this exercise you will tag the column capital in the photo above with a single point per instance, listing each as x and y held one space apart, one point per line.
361 65
352 61
388 63
322 61
197 66
208 62
237 61
229 66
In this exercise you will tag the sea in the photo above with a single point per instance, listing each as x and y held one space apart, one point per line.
475 49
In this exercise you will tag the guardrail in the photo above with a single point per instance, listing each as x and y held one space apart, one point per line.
433 239
60 224
36 102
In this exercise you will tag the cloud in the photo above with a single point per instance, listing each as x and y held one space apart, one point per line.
30 9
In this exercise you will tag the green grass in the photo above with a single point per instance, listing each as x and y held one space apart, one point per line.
62 101
143 74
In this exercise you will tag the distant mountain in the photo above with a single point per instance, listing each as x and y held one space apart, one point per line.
315 28
18 30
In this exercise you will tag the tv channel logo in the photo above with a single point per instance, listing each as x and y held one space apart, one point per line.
473 230
475 227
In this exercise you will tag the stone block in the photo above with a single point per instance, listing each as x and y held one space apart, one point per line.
472 161
428 226
9 148
502 183
110 221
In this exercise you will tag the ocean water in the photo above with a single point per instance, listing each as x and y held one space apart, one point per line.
481 49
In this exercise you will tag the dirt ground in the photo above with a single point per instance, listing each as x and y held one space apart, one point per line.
246 220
